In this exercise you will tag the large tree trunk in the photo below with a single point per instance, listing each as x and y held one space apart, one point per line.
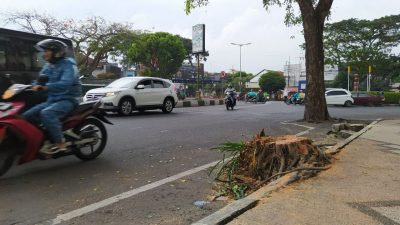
313 23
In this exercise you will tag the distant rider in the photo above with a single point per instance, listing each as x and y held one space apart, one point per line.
232 92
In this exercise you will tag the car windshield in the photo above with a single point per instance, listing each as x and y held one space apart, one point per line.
121 83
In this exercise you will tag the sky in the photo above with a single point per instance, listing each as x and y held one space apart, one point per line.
238 21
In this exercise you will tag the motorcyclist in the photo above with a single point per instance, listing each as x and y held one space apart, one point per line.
232 92
251 94
5 82
302 95
260 96
63 89
295 97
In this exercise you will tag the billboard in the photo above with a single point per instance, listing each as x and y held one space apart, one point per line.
198 38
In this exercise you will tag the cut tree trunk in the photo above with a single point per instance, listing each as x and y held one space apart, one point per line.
265 156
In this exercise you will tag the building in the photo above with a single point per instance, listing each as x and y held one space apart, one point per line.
129 72
253 83
297 72
105 67
293 73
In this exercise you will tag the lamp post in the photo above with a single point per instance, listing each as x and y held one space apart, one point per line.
240 65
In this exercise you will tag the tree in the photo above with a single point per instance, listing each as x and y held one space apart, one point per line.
161 53
340 81
360 43
94 38
272 81
313 14
235 80
32 21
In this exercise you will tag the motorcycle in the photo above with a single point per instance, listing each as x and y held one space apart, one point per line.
229 100
258 99
84 131
294 101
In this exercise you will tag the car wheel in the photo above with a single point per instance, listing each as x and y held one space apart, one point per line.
125 107
348 103
168 106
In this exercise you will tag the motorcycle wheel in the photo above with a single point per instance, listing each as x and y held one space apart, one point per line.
227 107
6 160
7 157
92 150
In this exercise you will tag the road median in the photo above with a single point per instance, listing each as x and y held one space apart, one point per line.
238 207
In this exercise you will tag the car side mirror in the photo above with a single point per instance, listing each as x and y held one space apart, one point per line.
140 86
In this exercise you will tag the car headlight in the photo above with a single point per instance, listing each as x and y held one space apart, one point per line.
110 94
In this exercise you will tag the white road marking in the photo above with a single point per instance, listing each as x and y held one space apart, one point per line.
106 202
300 125
109 201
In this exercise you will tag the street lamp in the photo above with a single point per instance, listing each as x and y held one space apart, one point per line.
240 65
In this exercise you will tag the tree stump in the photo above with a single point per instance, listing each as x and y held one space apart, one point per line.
265 156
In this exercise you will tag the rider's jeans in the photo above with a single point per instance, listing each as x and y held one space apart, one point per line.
50 115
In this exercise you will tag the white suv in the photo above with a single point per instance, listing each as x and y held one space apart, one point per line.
338 96
135 93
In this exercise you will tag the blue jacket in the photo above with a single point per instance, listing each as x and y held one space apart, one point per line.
64 83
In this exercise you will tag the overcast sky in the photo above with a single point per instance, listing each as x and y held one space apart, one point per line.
226 21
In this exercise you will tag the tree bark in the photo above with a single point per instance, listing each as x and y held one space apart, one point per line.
313 22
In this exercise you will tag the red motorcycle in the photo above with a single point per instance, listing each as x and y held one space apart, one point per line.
84 131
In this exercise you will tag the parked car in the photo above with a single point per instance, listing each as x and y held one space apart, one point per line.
339 97
367 99
135 93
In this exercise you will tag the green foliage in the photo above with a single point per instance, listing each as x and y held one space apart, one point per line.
236 82
360 43
161 53
105 76
272 82
390 97
225 169
340 81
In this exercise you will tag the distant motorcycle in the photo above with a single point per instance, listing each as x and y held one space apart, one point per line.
230 100
294 101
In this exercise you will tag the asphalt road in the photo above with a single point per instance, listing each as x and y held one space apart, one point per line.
142 150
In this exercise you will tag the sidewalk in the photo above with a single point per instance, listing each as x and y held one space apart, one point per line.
362 187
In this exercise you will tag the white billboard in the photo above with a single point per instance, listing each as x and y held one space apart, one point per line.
198 38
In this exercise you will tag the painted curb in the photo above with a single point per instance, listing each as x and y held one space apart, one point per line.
236 208
186 104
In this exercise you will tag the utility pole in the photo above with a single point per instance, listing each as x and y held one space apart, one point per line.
348 78
288 71
369 78
240 63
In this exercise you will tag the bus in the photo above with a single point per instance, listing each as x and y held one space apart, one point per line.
19 60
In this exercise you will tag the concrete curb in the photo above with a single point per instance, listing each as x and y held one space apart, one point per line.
236 208
199 103
339 146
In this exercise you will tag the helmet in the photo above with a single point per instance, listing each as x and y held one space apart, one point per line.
58 48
